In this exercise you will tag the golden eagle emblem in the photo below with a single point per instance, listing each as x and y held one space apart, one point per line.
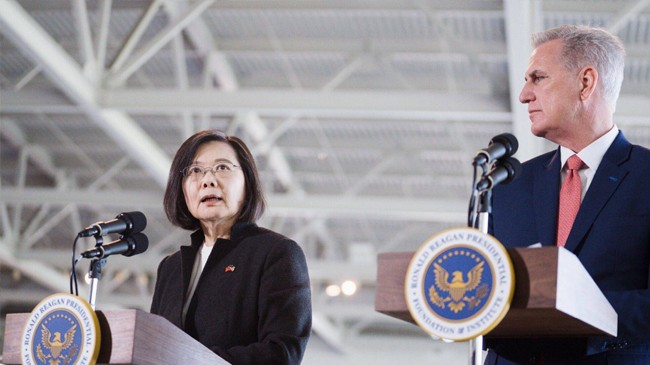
457 288
56 345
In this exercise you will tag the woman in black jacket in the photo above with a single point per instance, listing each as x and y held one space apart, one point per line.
239 289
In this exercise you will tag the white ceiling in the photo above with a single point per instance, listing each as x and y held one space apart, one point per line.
363 117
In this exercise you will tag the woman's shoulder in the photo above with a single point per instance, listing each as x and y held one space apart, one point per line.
259 237
174 258
252 231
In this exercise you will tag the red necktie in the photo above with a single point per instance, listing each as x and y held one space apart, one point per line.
570 194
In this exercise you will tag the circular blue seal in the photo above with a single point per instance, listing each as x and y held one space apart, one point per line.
59 338
63 330
459 284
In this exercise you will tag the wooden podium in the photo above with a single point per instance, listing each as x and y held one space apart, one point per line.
554 295
130 337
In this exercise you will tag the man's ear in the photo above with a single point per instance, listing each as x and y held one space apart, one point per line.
588 81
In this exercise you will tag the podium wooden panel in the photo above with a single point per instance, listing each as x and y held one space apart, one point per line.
130 337
554 295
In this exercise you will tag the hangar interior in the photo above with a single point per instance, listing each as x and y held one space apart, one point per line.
363 117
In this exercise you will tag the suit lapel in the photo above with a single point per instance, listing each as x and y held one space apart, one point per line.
546 191
607 179
188 257
221 248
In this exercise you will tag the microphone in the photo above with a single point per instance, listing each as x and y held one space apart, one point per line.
504 172
126 245
502 146
124 223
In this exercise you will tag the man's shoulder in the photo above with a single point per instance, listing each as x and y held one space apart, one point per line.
542 160
531 168
640 152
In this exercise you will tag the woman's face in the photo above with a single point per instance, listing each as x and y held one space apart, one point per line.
214 196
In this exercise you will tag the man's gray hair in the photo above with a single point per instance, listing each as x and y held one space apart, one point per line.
589 46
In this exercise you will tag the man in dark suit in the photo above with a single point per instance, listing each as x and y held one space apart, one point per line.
572 85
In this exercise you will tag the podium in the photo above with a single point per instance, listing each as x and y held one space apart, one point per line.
128 336
554 295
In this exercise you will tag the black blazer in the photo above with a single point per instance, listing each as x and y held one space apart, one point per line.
252 304
610 236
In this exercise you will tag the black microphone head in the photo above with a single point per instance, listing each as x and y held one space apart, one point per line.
136 221
509 141
138 243
514 169
501 147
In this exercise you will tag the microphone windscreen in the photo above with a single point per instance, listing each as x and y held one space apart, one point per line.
509 141
515 169
137 220
141 243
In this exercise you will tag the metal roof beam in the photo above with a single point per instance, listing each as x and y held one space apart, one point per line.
36 270
625 15
415 209
631 109
346 5
218 67
84 35
254 126
119 76
348 104
29 36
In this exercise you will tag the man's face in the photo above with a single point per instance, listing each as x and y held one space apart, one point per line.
552 93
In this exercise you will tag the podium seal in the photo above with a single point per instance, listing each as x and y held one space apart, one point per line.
459 284
62 329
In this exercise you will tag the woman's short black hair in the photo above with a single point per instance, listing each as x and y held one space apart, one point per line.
174 200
